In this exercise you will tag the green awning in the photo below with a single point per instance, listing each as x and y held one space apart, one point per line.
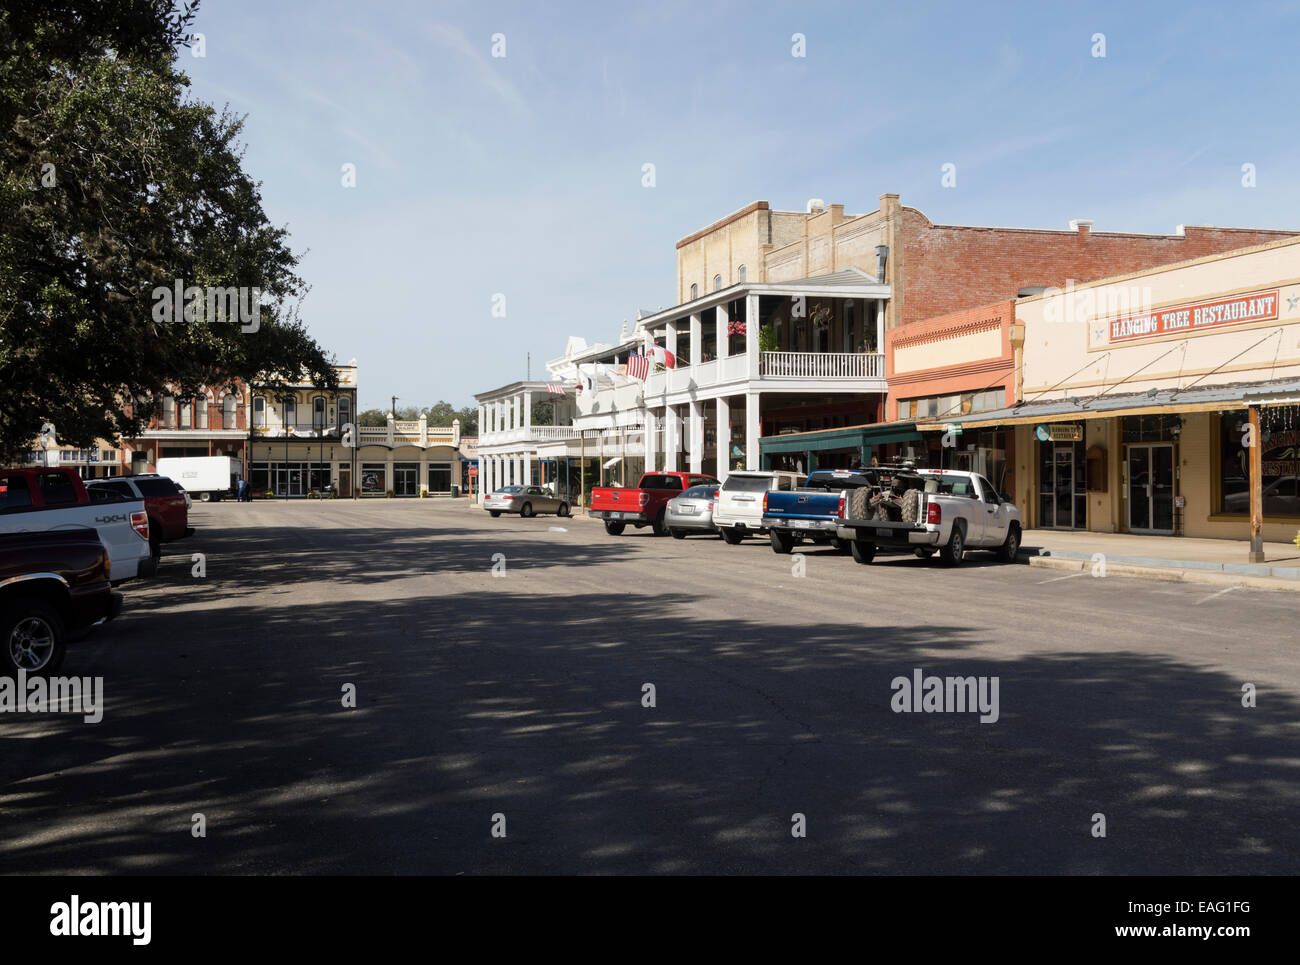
848 437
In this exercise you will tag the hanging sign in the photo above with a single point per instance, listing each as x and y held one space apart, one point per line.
1059 432
1190 319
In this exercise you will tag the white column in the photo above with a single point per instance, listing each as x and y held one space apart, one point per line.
723 426
751 430
650 440
751 335
697 336
720 332
696 435
880 327
672 437
482 478
528 409
670 338
528 468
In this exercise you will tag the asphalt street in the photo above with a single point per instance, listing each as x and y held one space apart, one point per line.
500 665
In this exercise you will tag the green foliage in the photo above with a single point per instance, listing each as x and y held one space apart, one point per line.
114 182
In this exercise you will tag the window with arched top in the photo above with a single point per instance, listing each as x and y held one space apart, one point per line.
168 412
259 413
717 283
201 412
318 412
345 410
740 274
290 411
229 412
186 410
695 292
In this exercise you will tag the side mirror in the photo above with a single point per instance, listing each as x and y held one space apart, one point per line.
1005 497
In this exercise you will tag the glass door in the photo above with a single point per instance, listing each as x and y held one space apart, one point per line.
1150 488
1062 502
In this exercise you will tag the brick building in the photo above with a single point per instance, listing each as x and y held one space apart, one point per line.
933 269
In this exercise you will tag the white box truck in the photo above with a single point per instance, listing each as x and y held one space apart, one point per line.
205 478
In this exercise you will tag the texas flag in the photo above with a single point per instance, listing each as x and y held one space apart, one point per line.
665 357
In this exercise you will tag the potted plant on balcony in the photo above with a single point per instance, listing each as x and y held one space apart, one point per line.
767 341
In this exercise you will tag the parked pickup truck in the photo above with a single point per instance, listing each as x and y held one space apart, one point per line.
815 510
40 500
738 509
645 505
164 503
53 588
946 510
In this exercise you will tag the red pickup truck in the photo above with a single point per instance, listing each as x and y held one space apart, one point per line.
644 505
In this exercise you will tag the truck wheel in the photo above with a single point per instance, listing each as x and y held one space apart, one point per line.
923 553
526 510
1009 550
840 545
860 503
205 497
658 527
781 542
677 533
911 505
863 551
613 528
495 513
952 551
732 535
33 638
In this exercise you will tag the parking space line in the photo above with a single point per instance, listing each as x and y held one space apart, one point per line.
1058 579
1226 589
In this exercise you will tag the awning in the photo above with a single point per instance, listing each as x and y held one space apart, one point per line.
611 463
847 437
1152 402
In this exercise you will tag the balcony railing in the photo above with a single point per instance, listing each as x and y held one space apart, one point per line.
821 365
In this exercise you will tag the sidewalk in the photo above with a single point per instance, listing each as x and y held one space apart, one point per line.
1220 561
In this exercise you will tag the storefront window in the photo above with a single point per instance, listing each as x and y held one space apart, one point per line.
1280 458
1150 428
373 477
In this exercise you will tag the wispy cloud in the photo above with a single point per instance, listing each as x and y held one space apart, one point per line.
485 71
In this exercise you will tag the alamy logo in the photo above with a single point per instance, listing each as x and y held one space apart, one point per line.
211 304
53 695
946 695
70 919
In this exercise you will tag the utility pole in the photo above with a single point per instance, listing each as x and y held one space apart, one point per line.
528 369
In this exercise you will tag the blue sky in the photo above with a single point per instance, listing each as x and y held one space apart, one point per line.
522 175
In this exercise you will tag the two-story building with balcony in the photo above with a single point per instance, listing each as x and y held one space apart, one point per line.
296 438
408 457
212 423
776 351
512 450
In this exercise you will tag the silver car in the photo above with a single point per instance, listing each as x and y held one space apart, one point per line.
526 501
691 512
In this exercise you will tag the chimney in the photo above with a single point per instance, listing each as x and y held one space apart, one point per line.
1081 225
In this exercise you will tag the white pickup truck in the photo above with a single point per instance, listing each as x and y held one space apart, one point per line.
931 510
738 507
41 500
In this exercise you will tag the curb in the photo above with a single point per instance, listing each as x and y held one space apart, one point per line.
1168 573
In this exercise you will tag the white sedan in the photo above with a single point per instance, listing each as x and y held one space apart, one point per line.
526 501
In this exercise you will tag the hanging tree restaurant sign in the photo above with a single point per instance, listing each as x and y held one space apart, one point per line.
1190 319
1059 432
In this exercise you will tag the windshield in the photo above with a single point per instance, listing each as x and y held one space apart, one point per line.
511 489
747 484
950 486
700 492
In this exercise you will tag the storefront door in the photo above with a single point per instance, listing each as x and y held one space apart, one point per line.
1061 502
1150 488
405 478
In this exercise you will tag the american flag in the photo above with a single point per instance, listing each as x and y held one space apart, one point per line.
555 388
638 367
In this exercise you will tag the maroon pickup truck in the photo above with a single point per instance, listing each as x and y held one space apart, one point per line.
54 586
643 506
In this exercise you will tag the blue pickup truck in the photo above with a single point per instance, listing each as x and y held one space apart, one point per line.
814 511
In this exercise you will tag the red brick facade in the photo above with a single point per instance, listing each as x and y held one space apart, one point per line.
946 268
